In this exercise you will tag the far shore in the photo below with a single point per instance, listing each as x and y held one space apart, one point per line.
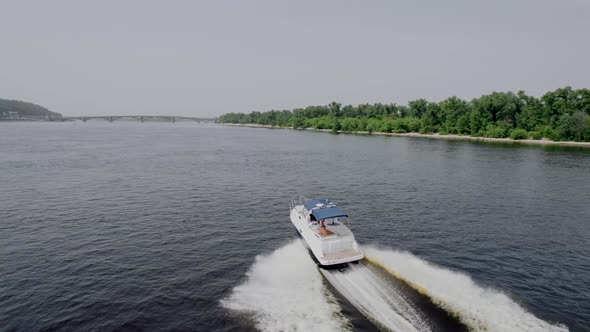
434 136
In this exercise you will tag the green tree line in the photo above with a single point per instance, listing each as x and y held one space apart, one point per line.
563 114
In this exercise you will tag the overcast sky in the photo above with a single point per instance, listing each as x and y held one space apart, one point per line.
211 57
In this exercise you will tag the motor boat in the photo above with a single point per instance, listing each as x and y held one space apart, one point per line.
323 226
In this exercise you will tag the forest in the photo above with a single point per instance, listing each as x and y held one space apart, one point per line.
560 115
24 109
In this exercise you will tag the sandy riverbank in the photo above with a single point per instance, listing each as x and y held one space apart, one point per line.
433 136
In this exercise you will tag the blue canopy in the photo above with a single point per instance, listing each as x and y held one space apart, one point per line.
314 202
330 212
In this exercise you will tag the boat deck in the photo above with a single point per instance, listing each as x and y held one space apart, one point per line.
339 230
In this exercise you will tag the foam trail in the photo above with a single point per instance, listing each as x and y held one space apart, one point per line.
285 292
482 309
377 299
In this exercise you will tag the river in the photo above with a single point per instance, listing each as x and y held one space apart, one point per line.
184 226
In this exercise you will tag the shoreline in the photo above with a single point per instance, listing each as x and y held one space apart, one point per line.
453 137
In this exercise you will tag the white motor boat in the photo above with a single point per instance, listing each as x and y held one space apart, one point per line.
322 225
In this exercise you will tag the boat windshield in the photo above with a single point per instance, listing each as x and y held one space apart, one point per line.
334 221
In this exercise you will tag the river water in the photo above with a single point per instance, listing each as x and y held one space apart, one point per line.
184 226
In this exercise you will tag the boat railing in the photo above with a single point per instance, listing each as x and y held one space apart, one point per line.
298 200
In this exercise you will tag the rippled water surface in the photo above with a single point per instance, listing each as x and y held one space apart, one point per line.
160 226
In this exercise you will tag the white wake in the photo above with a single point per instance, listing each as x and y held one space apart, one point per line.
284 291
482 309
377 299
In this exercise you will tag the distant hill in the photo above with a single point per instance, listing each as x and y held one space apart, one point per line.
17 108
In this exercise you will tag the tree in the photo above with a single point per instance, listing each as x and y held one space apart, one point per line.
426 125
519 134
475 121
557 103
463 124
334 108
565 128
417 107
580 122
297 122
451 109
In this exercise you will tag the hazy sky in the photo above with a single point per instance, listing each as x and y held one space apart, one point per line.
205 58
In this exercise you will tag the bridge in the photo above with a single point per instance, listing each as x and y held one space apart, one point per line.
140 118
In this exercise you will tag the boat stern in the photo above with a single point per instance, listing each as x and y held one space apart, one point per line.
339 258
